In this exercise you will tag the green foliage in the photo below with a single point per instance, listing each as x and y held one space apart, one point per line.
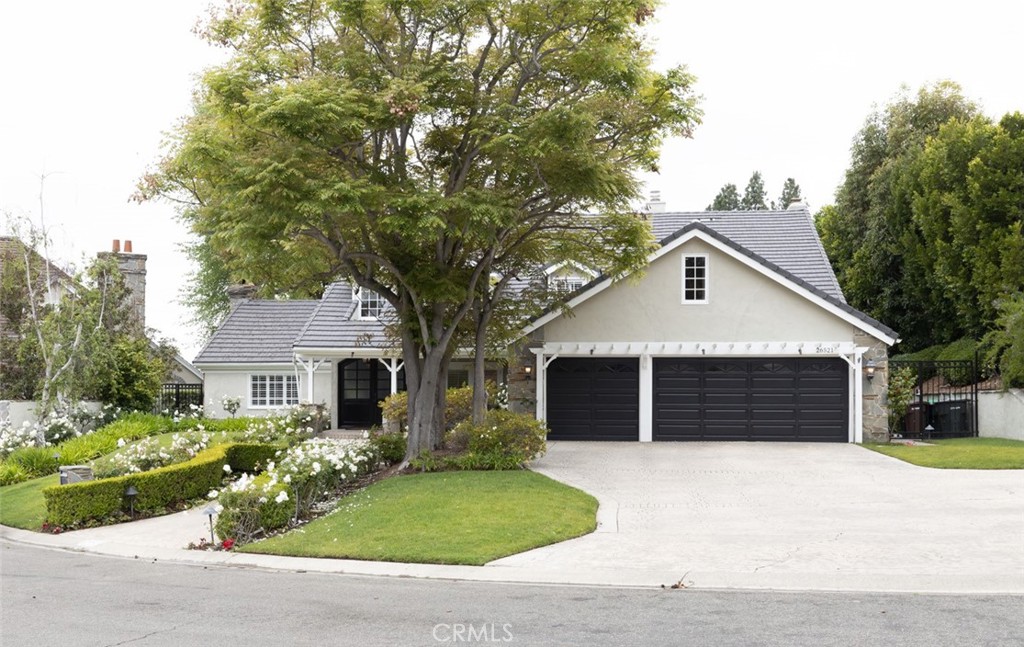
458 405
728 199
453 518
505 441
158 489
34 461
926 231
11 473
902 382
389 445
246 514
960 453
250 457
790 194
1007 341
408 147
754 196
132 376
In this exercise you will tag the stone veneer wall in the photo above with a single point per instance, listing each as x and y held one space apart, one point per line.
522 388
876 399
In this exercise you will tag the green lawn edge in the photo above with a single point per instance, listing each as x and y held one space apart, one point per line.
22 505
467 518
959 453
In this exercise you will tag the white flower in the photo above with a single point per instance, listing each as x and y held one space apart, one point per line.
281 497
121 442
212 494
227 468
287 478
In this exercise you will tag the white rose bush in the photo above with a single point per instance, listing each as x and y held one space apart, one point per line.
289 490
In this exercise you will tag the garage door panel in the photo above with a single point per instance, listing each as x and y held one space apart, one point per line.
593 399
751 399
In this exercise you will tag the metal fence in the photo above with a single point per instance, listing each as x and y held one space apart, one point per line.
179 397
945 402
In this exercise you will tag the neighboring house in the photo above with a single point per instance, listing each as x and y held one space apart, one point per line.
736 331
63 285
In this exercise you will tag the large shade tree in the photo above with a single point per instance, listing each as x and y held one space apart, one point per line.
421 149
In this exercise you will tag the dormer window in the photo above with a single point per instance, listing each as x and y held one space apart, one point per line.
695 278
567 283
370 304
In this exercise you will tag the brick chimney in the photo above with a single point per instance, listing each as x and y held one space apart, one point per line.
240 293
133 269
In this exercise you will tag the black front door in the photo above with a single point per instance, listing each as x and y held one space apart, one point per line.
362 385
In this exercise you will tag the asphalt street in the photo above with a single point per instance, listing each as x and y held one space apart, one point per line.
53 597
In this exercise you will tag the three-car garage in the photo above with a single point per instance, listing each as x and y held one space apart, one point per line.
700 398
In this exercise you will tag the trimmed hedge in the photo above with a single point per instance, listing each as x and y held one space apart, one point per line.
250 457
158 489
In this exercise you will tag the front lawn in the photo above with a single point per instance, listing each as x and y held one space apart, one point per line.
22 505
444 518
960 453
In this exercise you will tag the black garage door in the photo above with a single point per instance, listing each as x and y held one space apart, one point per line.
751 399
593 398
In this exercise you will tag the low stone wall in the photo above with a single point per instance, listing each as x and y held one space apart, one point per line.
1001 414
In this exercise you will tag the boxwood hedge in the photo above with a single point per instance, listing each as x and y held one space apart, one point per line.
157 489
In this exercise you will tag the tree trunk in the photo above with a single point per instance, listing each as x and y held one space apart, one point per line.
479 364
424 372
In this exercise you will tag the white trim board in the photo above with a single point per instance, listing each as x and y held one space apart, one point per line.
742 258
701 348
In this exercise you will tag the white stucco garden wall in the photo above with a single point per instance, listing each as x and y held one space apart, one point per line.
234 382
743 306
1001 414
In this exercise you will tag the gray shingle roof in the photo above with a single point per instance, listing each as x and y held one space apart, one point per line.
267 331
334 326
786 239
258 332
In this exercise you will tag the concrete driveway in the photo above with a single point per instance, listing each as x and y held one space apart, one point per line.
787 515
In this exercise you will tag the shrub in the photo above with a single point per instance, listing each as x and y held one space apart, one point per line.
902 382
158 489
13 438
458 405
251 457
305 475
11 473
1006 342
505 441
34 461
389 445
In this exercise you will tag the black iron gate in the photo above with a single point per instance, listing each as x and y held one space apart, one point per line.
179 397
945 399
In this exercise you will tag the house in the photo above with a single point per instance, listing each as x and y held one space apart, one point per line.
62 285
737 330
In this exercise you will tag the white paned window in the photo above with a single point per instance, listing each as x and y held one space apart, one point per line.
273 390
568 283
371 305
695 278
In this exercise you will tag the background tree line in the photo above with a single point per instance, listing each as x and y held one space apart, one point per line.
755 197
925 234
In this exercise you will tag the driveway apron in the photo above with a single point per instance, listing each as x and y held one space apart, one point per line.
788 515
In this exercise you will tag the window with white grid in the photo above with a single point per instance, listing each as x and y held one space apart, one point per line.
273 390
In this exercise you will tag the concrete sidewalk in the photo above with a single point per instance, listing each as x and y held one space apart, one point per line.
744 516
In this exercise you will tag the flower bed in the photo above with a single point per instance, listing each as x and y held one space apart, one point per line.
289 489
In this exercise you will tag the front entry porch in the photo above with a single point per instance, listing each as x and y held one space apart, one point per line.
363 383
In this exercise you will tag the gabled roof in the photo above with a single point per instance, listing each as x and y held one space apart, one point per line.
333 324
702 230
258 332
786 239
12 245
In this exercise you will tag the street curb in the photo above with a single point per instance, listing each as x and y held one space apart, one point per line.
613 578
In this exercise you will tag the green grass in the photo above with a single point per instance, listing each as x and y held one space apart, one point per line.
960 453
444 518
22 505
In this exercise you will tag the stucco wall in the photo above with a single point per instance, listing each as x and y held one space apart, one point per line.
1001 414
744 306
235 382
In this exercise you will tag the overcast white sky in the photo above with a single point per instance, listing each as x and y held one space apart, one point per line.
89 88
